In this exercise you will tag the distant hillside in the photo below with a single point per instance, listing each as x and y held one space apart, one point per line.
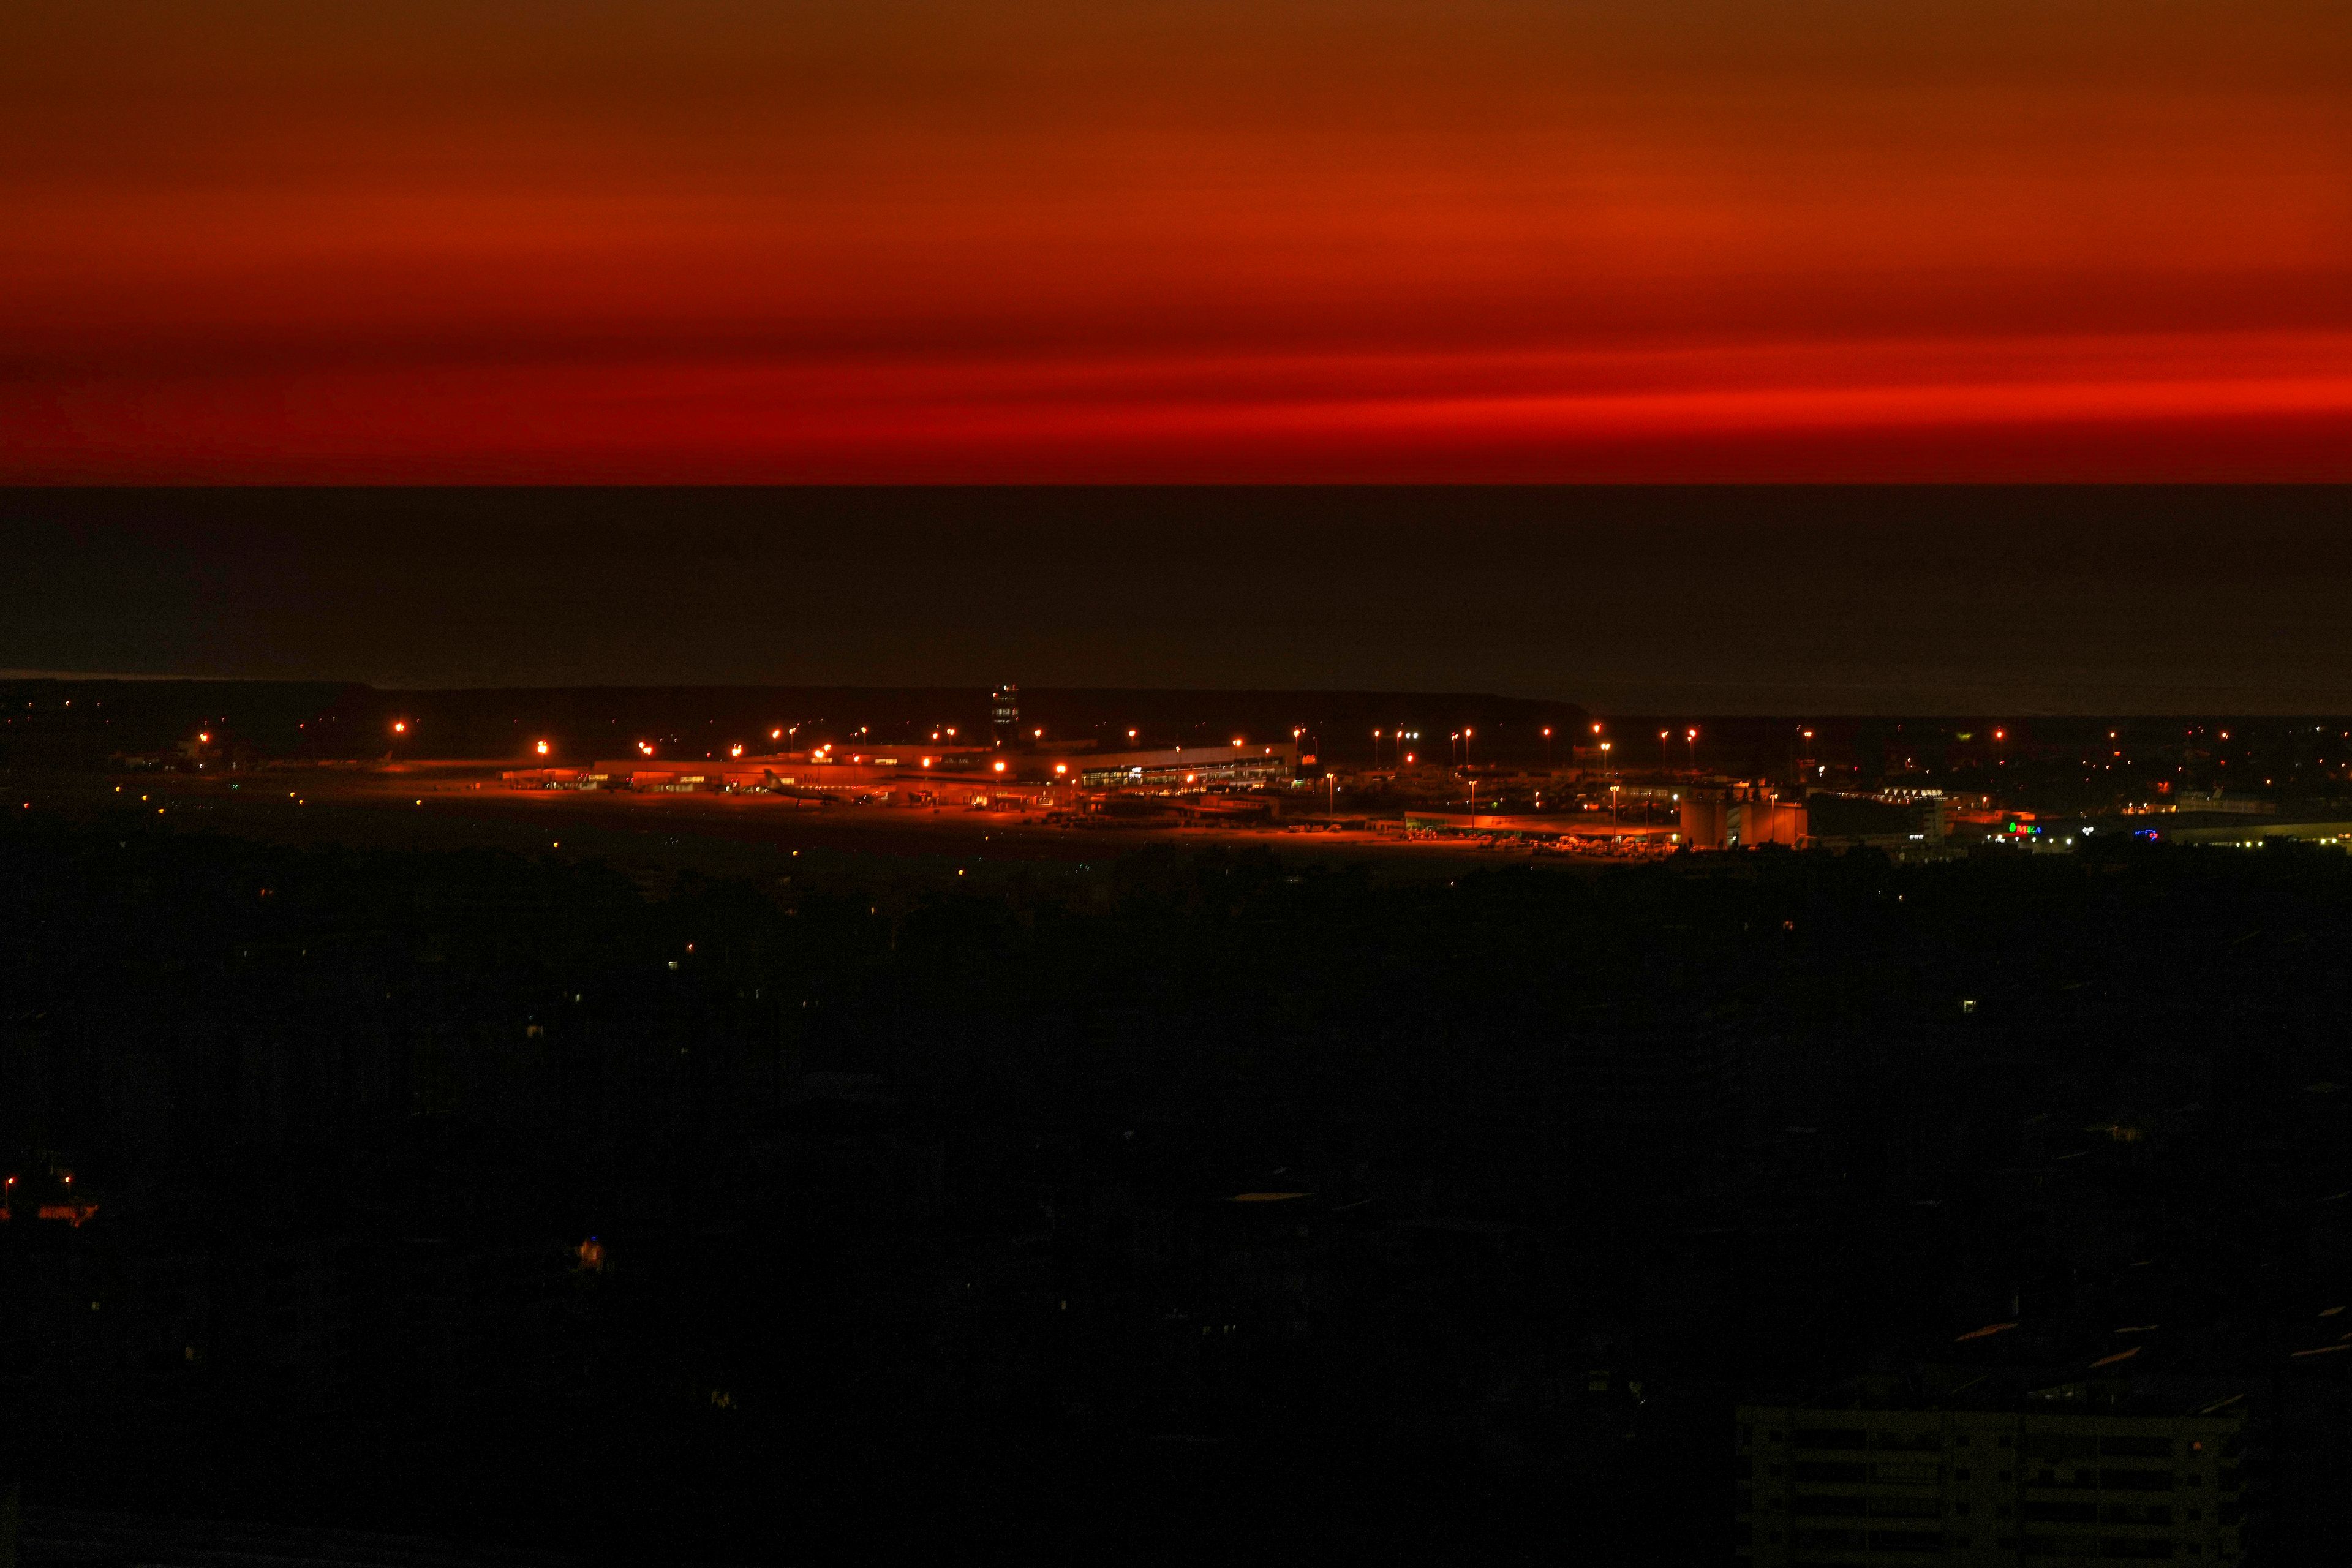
77 723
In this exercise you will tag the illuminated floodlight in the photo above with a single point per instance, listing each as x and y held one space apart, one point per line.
542 748
399 726
1061 768
1596 729
647 747
999 767
204 737
775 734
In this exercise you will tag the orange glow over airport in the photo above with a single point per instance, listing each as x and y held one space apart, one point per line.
1042 241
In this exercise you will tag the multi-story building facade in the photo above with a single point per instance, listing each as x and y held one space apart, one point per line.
2061 1475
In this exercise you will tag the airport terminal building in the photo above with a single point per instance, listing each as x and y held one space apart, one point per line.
946 770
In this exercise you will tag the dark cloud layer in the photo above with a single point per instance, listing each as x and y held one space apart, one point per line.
1726 600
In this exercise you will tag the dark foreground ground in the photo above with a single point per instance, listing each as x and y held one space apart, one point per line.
721 1204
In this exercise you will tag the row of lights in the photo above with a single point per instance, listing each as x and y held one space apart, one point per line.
400 727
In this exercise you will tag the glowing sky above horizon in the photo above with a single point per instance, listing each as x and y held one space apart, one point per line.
1175 240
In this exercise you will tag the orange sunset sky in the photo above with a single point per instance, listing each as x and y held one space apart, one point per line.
1035 240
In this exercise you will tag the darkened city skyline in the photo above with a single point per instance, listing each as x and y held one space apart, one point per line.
1515 781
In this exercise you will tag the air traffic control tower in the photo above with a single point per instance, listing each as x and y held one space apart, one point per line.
1004 714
